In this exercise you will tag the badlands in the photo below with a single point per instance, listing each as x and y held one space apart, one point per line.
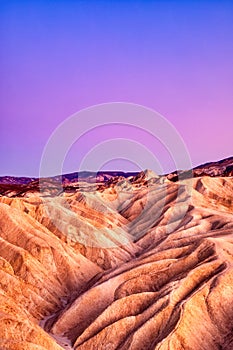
118 261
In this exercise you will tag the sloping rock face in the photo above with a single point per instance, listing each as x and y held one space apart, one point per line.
135 261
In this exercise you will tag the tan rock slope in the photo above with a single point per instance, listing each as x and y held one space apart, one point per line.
124 261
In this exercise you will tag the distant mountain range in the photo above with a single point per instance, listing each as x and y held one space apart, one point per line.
219 168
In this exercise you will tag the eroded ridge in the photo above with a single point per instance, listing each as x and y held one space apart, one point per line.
132 273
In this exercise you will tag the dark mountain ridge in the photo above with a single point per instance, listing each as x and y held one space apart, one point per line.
222 167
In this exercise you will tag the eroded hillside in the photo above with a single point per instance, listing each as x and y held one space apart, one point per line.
128 262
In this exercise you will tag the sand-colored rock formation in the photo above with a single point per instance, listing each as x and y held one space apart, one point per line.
125 262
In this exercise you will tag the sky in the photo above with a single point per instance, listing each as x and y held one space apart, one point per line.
59 57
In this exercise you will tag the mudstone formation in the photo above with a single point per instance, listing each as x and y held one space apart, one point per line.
118 261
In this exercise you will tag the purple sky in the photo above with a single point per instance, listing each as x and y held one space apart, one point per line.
58 57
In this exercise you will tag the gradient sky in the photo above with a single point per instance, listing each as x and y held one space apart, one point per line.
58 57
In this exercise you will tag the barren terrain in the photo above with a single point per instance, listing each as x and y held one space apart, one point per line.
118 261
